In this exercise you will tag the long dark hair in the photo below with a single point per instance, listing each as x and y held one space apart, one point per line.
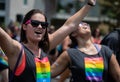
44 43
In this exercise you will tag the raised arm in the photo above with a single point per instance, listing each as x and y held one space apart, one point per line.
70 25
10 47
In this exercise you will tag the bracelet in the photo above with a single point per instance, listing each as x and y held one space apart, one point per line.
90 4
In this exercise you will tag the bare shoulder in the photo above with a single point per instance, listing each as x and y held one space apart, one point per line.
65 56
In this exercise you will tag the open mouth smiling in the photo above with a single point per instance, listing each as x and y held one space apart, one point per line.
38 32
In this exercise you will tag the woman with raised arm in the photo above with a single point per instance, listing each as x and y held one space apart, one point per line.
88 62
28 60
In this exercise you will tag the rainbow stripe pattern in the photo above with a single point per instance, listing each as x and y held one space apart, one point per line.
2 58
94 68
3 61
42 70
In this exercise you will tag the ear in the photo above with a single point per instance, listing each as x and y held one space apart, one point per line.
24 27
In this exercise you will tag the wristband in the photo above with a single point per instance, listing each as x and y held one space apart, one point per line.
90 4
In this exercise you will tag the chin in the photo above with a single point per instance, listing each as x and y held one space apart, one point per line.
37 39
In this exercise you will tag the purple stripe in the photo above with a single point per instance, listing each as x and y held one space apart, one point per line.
94 78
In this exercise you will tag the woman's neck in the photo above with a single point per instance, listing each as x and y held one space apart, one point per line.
32 46
85 44
87 47
34 49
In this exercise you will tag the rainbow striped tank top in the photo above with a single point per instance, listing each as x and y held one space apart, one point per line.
42 70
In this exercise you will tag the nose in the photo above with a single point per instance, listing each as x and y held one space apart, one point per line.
39 26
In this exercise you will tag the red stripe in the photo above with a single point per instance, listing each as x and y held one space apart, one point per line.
21 67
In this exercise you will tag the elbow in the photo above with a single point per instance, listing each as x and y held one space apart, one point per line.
53 75
118 78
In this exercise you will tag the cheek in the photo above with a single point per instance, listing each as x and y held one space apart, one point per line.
29 32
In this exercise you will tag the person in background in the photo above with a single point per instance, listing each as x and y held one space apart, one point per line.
28 59
112 40
97 37
88 62
15 29
3 67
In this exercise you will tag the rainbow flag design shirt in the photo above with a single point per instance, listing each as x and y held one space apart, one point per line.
90 68
42 70
94 68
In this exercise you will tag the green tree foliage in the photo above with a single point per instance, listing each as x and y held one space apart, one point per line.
111 8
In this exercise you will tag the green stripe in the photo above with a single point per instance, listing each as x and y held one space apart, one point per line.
43 75
93 69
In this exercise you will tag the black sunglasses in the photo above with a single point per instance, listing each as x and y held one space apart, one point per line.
36 23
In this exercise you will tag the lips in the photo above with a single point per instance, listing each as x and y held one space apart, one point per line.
38 32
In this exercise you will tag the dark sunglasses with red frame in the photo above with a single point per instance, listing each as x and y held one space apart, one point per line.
36 23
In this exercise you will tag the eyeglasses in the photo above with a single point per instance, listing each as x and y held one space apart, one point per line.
36 23
84 24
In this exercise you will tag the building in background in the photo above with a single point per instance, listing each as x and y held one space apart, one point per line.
57 11
14 10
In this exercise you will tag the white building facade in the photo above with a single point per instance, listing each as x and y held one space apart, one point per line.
10 9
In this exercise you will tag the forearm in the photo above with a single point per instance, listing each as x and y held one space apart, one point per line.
54 68
69 26
74 20
6 42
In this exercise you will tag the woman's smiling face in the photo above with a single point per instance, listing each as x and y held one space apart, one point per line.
83 29
35 33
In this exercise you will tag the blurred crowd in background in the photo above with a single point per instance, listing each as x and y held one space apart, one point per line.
100 28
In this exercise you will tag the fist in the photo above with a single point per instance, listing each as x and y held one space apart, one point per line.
92 2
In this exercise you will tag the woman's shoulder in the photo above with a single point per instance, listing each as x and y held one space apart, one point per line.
72 51
105 47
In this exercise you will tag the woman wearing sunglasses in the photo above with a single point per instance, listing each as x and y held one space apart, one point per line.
88 62
28 60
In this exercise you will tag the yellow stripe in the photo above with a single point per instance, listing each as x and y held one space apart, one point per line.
94 65
46 69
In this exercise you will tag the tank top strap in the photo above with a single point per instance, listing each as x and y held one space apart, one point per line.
97 47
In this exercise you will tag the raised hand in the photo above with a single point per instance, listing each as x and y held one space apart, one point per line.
91 2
